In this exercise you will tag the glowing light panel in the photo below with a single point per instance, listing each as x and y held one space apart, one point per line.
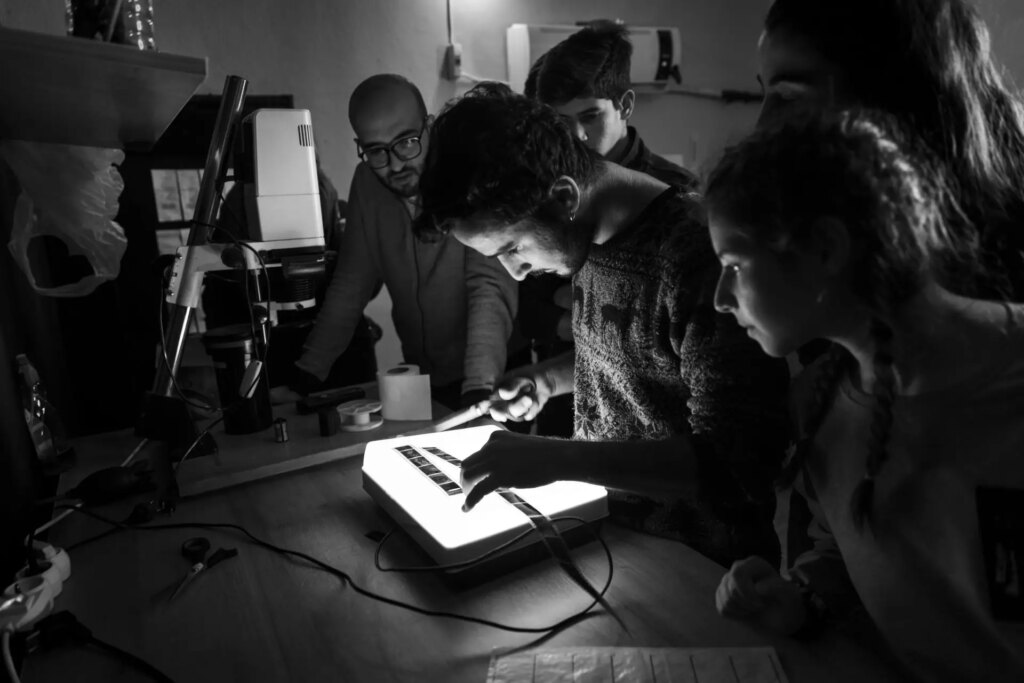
416 479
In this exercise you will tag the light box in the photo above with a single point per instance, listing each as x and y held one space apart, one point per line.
416 479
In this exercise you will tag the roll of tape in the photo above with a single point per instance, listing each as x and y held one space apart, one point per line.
360 415
404 393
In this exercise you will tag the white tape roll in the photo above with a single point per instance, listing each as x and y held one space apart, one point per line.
404 393
360 415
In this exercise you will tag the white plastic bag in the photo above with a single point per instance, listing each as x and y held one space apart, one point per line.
70 193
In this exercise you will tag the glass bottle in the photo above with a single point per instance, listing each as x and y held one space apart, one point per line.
46 430
138 24
35 406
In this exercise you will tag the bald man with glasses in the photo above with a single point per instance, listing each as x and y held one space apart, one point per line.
452 308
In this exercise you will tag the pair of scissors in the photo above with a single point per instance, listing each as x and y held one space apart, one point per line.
194 550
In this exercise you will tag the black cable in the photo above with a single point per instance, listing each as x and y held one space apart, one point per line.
448 8
135 661
49 499
426 569
141 513
252 326
202 434
167 362
266 282
252 321
245 286
240 224
346 579
92 539
429 569
63 627
30 556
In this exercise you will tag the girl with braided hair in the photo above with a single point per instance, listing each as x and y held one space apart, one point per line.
829 226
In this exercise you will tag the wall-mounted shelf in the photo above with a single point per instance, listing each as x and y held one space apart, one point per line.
86 92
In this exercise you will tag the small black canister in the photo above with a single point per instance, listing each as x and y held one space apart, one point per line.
280 430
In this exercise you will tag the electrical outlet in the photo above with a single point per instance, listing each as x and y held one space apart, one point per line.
452 67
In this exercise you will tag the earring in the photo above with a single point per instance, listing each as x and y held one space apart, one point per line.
820 297
572 215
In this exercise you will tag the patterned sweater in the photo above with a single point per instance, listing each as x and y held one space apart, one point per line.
655 360
538 312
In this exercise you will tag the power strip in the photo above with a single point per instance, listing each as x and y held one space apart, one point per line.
31 596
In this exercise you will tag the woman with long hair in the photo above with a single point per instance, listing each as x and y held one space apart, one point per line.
929 63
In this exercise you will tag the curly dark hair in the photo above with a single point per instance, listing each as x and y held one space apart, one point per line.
858 167
593 62
530 86
498 154
929 63
861 169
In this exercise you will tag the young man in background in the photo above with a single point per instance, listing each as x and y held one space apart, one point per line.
586 79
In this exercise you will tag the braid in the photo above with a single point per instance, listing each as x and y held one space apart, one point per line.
881 423
825 383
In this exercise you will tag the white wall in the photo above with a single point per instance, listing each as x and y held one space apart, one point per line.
319 50
1005 19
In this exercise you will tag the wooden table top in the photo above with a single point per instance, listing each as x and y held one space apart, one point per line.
248 457
264 617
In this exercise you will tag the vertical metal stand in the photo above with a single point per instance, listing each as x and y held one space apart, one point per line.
164 417
205 214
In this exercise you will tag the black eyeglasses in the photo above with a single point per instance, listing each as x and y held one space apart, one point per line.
404 149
